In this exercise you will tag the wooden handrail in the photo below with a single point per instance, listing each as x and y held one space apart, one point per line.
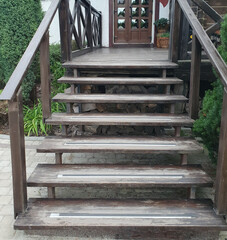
12 91
211 51
201 40
15 81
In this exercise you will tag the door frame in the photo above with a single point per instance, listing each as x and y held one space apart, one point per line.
111 27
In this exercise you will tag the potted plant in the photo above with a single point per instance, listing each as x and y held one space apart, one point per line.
162 25
163 40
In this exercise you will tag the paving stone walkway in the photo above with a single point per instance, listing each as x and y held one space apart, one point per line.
6 200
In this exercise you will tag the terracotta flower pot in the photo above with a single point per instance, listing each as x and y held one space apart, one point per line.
163 42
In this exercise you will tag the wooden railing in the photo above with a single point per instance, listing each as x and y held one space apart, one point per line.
85 24
185 44
201 41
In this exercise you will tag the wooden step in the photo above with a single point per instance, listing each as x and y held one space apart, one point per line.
116 64
120 119
120 80
119 98
113 214
49 175
119 145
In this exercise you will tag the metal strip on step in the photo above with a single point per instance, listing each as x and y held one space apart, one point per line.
118 216
119 176
124 144
117 117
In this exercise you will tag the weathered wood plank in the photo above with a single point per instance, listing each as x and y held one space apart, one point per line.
89 27
120 119
195 78
128 214
49 175
221 178
65 33
116 64
184 37
45 76
175 32
120 80
119 145
119 98
16 126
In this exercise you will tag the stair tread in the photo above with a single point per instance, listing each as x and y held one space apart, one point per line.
64 214
116 64
119 144
120 119
120 80
119 98
50 175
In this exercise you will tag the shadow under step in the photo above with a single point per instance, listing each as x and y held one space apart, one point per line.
119 145
120 119
120 80
116 64
49 175
119 98
129 215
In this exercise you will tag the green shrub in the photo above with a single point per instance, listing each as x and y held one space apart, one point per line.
33 116
57 71
208 125
161 23
19 20
33 121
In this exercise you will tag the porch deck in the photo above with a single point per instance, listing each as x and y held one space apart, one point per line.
134 57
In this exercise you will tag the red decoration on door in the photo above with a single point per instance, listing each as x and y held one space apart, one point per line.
164 2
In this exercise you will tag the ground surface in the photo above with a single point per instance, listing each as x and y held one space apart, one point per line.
6 202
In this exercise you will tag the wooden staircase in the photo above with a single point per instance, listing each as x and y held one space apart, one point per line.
122 218
122 215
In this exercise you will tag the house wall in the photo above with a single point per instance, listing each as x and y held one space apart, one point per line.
103 6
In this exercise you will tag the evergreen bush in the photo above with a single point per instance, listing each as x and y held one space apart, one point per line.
208 125
19 20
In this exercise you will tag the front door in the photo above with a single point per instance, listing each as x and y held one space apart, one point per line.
132 21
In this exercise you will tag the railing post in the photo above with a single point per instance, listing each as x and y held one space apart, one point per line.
221 176
65 31
16 126
174 31
45 76
184 36
79 25
100 29
195 78
89 27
